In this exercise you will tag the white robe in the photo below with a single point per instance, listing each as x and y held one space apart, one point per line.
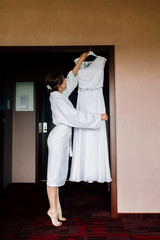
90 161
65 116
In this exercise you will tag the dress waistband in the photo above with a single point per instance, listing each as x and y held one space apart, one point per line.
88 90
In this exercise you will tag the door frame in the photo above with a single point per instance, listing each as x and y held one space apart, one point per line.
110 50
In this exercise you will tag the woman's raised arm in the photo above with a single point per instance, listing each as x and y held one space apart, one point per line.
81 59
72 80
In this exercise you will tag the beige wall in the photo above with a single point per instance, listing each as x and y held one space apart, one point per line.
133 27
23 162
23 141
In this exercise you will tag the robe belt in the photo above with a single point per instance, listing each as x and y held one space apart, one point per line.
70 147
88 90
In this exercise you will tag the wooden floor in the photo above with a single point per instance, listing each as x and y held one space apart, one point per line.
23 215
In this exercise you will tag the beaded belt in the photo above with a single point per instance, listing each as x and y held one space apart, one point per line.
88 90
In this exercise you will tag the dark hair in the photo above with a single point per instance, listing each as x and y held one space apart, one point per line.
53 81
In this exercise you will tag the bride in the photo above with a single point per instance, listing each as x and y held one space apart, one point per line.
64 116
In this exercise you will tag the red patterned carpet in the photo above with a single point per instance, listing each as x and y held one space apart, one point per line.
87 208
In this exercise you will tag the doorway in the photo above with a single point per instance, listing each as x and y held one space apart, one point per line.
41 61
61 59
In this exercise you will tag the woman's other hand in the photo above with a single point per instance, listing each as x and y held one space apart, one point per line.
104 116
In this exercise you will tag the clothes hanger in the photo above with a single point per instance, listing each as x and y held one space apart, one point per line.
91 56
91 53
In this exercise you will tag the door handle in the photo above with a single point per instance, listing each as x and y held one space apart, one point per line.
45 127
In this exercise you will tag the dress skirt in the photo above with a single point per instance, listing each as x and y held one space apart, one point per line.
90 161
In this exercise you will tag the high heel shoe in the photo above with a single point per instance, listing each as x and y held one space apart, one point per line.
54 218
59 211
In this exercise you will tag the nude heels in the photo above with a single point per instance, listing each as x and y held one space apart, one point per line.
54 218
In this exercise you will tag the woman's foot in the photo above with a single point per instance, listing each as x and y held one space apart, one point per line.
59 211
54 218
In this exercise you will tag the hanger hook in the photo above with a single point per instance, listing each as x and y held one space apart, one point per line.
90 47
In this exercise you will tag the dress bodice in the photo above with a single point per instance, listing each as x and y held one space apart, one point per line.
91 74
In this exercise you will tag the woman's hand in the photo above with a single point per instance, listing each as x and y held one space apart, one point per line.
81 59
84 56
104 116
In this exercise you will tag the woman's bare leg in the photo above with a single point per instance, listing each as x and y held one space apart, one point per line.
59 208
53 211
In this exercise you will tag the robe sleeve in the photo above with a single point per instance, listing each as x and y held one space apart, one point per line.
66 114
72 82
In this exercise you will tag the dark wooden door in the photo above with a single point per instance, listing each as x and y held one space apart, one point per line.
45 125
2 106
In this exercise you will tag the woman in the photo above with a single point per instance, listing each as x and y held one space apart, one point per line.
64 116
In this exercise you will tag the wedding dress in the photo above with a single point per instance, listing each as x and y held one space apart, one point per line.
90 161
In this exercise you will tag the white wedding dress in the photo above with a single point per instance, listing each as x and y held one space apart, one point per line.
90 161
